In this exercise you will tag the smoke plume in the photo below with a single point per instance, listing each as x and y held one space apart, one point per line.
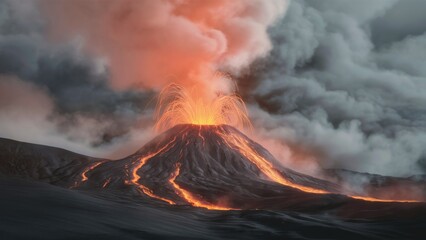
345 90
149 44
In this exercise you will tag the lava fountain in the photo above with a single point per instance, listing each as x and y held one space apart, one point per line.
176 105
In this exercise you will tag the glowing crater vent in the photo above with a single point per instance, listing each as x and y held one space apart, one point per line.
177 105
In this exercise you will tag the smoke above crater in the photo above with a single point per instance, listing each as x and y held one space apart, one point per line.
149 44
329 84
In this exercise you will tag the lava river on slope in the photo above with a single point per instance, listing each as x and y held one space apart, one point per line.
218 168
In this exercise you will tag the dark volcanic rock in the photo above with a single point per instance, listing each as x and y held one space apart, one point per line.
43 163
202 160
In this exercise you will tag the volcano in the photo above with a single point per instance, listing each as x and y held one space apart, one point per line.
214 167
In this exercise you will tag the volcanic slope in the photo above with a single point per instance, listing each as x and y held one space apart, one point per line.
214 167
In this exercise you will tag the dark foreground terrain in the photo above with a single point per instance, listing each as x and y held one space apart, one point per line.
50 193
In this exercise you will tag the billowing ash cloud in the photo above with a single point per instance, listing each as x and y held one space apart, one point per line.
335 83
55 94
344 89
151 43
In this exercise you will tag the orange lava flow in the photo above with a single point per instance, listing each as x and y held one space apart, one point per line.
264 165
90 168
84 176
371 199
177 105
266 168
136 177
190 198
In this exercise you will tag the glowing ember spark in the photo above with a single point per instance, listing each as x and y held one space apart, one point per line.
189 197
177 105
136 177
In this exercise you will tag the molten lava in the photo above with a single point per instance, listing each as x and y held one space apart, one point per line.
176 105
189 197
235 141
84 176
135 177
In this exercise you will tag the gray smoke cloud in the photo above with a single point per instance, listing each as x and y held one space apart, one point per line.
343 87
54 94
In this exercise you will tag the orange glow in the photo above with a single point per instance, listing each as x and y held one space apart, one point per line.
136 177
177 105
189 197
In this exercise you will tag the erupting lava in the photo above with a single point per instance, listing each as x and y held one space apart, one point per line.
176 105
